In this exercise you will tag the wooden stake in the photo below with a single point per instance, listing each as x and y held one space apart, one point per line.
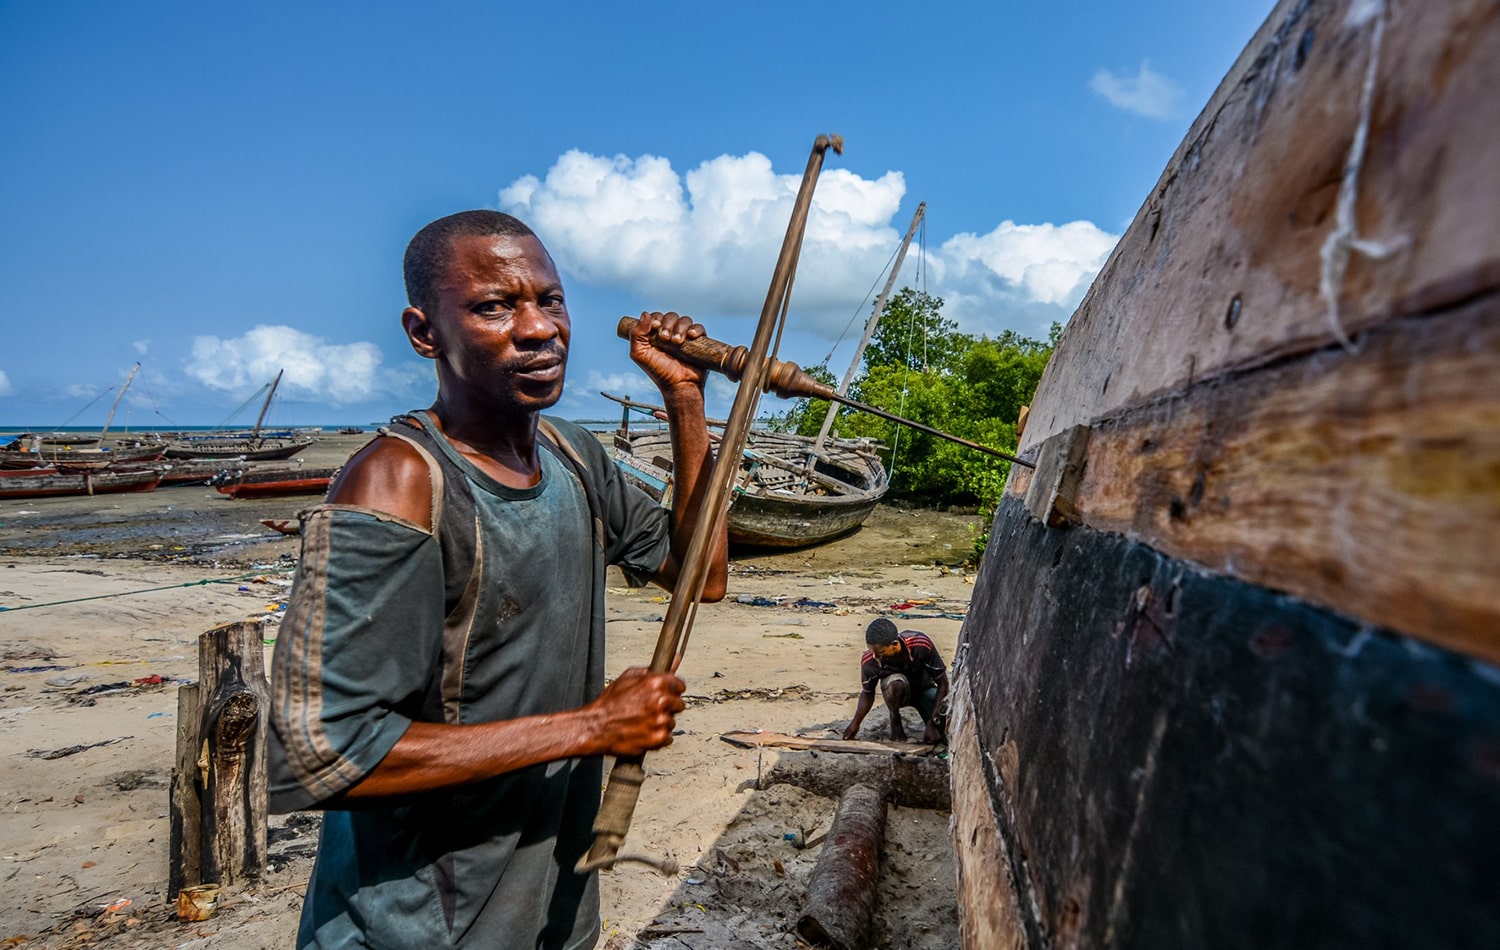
219 801
186 829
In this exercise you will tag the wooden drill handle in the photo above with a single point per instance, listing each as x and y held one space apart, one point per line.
784 378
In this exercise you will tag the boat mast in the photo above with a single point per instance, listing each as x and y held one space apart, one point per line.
255 434
118 396
859 352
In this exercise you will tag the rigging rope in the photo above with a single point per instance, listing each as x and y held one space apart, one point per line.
80 412
906 363
859 309
254 396
148 590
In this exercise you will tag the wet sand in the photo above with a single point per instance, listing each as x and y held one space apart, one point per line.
85 830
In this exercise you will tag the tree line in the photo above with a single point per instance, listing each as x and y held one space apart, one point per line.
919 366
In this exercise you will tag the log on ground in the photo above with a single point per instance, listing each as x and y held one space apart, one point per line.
841 895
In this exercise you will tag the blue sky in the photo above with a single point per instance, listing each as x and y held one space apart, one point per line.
219 192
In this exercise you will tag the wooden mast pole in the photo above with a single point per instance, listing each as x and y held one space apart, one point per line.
870 325
255 433
628 773
118 396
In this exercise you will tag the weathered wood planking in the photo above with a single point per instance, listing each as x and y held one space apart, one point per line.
1221 268
1367 481
989 913
1171 758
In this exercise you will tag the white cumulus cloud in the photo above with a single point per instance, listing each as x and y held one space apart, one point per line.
631 384
339 373
1147 93
704 242
141 346
5 387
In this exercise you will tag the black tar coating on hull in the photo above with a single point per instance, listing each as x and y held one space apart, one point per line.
1201 762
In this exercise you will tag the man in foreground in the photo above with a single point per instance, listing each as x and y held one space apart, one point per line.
438 681
909 672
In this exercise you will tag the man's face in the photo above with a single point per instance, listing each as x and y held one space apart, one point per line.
888 651
501 327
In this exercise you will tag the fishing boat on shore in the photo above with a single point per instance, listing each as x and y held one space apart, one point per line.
193 471
79 452
779 502
794 490
1228 678
248 481
47 482
252 445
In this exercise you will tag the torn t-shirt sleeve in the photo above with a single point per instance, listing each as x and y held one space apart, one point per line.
357 653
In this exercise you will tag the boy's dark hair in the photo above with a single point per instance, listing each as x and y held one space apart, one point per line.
430 250
881 632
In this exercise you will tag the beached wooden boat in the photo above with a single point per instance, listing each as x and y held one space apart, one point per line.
23 454
250 448
194 471
80 452
779 502
252 445
1229 674
47 482
271 482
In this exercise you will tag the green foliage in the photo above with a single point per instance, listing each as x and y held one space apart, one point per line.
920 367
806 416
913 334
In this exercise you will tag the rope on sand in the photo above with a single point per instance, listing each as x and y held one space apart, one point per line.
149 590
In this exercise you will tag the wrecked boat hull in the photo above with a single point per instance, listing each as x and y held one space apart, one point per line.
1229 675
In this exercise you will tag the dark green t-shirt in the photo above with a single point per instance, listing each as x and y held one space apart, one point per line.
497 614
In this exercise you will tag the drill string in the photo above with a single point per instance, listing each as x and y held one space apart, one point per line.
787 380
622 790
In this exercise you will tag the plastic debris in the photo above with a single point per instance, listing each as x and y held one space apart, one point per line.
198 903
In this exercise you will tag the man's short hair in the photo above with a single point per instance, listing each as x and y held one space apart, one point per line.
881 632
429 252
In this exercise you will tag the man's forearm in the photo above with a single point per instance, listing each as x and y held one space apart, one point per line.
430 756
692 463
635 714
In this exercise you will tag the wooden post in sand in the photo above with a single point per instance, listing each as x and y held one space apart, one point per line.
218 825
186 828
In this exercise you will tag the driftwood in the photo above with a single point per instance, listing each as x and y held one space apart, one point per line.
904 780
219 783
841 894
780 740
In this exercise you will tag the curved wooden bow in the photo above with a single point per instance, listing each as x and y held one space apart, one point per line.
628 774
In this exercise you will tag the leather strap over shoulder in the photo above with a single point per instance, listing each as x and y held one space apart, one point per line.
553 440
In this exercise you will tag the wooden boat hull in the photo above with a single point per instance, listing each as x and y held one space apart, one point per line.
848 485
237 449
194 471
759 521
251 483
45 483
78 459
1228 677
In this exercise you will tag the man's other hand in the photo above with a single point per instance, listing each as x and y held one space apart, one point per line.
666 370
638 711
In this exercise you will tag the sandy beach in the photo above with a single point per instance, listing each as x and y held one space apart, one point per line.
106 598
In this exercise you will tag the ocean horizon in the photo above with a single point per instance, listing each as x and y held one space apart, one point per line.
15 431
